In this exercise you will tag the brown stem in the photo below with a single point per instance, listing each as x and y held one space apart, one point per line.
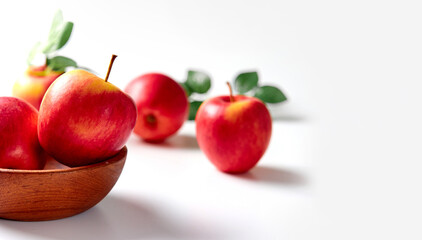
231 92
109 66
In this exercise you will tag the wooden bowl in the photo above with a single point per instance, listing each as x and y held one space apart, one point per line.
57 191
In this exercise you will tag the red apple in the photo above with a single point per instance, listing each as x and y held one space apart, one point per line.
84 119
233 131
162 105
34 83
19 146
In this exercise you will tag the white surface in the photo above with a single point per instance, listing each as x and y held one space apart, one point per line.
350 68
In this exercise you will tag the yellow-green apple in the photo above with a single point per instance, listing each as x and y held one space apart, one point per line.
19 146
233 131
84 119
34 83
162 105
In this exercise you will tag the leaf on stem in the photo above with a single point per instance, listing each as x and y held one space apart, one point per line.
198 82
193 108
186 88
57 21
59 34
245 82
270 94
36 49
60 63
66 32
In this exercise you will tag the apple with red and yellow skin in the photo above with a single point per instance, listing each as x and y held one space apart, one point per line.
233 131
19 146
84 119
34 83
162 106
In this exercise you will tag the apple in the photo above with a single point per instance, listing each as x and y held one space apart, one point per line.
34 83
84 119
19 146
233 131
162 106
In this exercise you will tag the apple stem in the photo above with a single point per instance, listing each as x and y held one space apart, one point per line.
109 66
231 92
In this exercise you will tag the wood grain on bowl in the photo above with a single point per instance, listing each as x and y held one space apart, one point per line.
36 195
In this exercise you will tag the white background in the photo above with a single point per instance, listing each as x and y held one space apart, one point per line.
352 72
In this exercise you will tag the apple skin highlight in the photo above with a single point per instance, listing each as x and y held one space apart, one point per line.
84 120
233 135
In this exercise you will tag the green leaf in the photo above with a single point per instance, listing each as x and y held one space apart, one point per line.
198 81
58 38
245 82
59 35
36 49
60 63
186 88
193 108
270 94
56 26
57 21
65 35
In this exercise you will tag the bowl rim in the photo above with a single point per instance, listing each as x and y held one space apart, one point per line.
116 158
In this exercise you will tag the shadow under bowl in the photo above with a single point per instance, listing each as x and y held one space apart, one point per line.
57 191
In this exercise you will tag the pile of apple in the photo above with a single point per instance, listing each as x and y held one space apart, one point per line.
83 119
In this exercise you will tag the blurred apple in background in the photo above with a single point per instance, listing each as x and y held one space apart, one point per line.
33 85
162 105
19 146
233 131
84 119
44 66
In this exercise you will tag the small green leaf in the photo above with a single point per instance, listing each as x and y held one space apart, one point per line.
36 49
58 39
57 21
198 82
270 94
186 88
56 27
65 34
245 82
60 63
59 34
193 108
